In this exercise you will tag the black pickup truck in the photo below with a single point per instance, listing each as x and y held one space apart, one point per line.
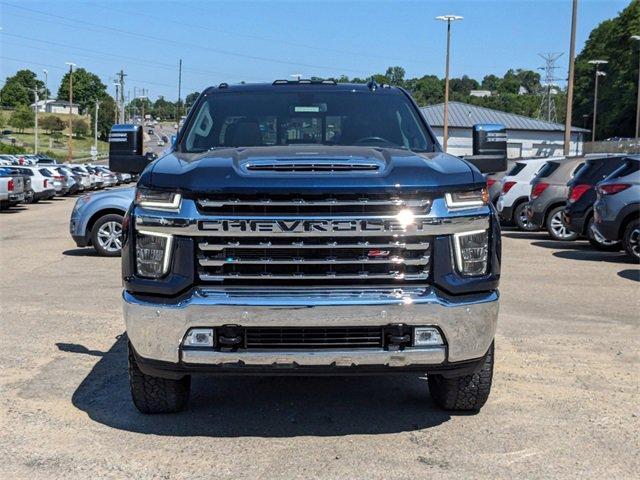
308 227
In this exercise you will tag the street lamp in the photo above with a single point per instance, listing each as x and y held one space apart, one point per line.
637 38
69 143
46 83
598 74
448 19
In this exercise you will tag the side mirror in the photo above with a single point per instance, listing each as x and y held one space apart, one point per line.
489 148
125 149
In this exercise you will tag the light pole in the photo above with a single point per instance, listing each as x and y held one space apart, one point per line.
69 143
637 38
95 126
35 130
598 74
572 57
448 19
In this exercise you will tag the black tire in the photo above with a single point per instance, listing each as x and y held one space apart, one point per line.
156 394
599 245
103 249
631 240
463 394
29 196
555 230
521 220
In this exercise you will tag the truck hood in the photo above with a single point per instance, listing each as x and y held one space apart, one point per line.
302 168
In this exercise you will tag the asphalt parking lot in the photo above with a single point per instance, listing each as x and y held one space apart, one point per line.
564 402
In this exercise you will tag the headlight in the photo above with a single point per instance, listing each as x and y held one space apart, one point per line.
157 200
472 252
474 198
153 254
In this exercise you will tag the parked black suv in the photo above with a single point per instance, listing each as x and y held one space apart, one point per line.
578 214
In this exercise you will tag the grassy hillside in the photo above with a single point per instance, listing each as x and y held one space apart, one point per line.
46 142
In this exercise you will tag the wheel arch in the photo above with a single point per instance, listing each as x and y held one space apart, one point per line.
552 206
101 213
629 213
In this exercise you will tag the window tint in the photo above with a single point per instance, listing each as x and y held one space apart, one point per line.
627 168
45 172
548 169
517 168
314 117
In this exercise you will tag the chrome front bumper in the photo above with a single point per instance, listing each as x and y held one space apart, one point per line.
468 323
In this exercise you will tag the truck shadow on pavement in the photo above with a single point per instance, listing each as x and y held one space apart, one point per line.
260 406
582 250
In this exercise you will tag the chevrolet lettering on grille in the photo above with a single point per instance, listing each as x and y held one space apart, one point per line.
310 226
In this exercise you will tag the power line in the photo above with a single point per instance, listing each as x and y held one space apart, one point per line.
92 26
210 29
124 57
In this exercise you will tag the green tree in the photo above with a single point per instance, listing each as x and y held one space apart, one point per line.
164 109
52 123
87 88
80 127
395 75
19 89
22 117
611 40
190 99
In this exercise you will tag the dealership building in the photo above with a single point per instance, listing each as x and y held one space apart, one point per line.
526 137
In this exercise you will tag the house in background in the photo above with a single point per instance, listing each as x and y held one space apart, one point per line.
526 137
55 106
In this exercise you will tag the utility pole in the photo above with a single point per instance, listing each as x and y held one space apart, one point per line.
46 83
448 19
548 103
572 58
598 74
95 126
121 76
69 142
35 131
637 39
179 91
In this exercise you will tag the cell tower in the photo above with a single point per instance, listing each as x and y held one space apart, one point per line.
547 102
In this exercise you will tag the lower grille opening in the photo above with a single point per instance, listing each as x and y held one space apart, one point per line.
312 337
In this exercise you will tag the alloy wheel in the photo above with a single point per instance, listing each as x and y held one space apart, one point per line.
560 231
634 241
110 236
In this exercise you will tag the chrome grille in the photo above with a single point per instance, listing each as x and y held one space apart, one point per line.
295 205
299 257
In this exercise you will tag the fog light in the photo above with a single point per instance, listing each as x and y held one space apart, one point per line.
426 337
199 337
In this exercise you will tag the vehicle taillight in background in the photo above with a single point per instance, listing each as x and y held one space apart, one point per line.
507 186
577 192
538 188
490 182
46 183
612 188
58 177
10 185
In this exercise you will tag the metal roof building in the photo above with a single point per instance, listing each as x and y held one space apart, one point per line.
527 137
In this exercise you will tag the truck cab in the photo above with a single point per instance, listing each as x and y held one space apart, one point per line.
307 228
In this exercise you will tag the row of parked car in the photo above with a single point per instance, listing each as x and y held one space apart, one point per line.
596 197
31 178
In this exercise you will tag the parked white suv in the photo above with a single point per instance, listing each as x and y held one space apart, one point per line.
41 186
515 188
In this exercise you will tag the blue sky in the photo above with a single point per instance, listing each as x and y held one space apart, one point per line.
263 41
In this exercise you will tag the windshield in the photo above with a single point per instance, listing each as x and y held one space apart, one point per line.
287 118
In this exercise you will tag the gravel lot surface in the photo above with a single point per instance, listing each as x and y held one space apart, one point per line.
565 400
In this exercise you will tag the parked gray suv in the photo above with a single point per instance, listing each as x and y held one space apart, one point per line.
616 211
549 192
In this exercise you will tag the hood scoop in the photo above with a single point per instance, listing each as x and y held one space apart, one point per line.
316 165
